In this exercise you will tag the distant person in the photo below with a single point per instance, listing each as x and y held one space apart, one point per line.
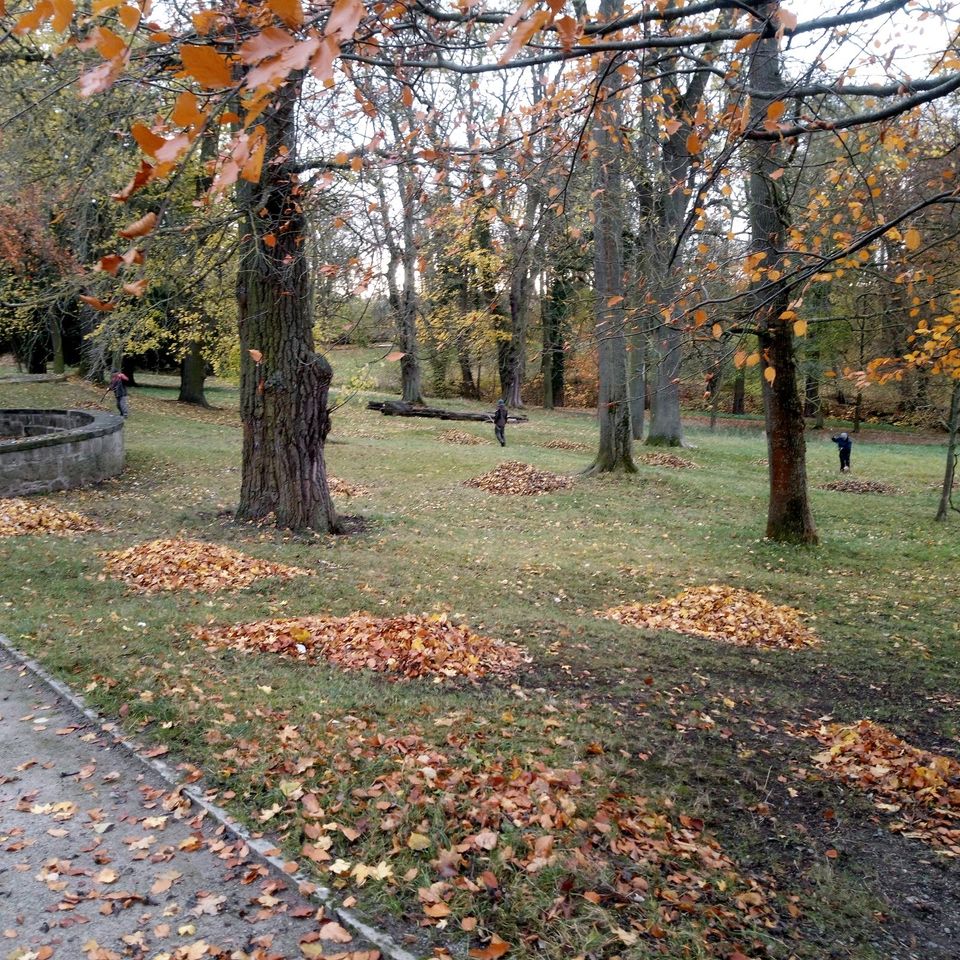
118 387
500 422
845 445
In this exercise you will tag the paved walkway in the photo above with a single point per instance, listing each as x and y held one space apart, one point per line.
100 861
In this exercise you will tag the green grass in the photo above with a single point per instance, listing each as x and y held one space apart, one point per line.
639 713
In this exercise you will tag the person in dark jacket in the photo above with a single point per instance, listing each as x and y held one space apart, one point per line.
500 422
845 445
118 387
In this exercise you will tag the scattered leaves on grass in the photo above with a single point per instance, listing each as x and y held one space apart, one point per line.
851 485
519 479
410 645
341 488
461 437
921 788
719 612
19 518
561 444
190 565
668 460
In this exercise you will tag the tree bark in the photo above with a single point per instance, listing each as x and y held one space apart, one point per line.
283 398
738 405
949 474
789 518
56 340
193 373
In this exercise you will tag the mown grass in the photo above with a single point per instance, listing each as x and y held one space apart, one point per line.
648 713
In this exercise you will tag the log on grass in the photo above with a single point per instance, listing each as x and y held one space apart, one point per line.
397 408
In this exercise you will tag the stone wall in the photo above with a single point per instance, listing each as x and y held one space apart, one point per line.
46 450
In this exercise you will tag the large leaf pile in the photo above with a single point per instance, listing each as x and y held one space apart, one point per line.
667 460
190 565
342 488
20 518
461 437
921 788
850 485
408 646
719 612
520 479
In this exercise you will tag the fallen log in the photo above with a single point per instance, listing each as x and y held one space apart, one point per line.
397 408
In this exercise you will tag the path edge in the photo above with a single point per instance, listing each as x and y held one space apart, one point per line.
259 847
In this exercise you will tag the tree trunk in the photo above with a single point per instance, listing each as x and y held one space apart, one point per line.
739 405
616 440
789 518
283 398
128 368
407 320
949 475
637 376
193 373
56 340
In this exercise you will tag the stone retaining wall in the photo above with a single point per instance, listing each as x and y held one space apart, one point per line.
46 450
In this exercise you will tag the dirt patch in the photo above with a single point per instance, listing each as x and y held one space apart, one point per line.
519 479
19 518
407 647
718 612
191 565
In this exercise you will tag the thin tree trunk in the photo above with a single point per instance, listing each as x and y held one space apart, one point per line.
949 474
283 398
56 340
637 376
738 404
789 518
193 373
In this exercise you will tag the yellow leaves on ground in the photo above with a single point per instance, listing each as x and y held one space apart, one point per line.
410 646
461 437
561 444
850 485
20 518
341 488
668 460
719 612
190 565
922 788
519 479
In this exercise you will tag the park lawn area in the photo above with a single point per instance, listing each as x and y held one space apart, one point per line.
629 792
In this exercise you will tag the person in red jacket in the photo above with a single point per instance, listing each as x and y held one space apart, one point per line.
118 387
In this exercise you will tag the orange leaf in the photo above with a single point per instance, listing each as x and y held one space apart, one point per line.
62 14
693 143
132 256
717 331
437 910
142 176
748 41
147 140
110 264
137 288
524 33
267 43
769 374
775 111
129 16
356 164
568 30
186 112
396 355
800 328
30 21
206 66
269 240
912 239
289 11
406 97
109 45
343 19
141 227
97 303
613 301
786 19
672 126
496 949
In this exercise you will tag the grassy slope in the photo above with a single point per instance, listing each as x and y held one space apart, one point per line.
883 588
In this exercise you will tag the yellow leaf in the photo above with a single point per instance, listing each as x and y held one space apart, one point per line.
769 374
717 331
912 239
800 328
753 359
418 841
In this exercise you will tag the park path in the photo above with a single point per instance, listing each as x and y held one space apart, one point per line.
100 860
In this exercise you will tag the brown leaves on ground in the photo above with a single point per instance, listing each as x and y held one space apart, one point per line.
341 488
850 485
461 437
561 444
668 460
19 518
921 788
519 479
719 612
190 565
410 646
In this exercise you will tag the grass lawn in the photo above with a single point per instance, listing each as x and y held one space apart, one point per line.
630 793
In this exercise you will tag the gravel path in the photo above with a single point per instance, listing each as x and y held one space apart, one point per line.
100 861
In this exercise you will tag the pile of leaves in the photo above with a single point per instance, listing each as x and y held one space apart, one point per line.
667 460
19 518
921 788
561 444
850 485
408 646
190 565
719 612
520 479
341 488
461 437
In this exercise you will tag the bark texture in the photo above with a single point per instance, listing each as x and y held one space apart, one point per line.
193 373
950 473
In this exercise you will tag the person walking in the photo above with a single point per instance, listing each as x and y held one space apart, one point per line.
500 423
845 445
118 387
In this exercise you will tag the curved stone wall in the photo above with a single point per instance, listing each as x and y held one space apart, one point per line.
45 450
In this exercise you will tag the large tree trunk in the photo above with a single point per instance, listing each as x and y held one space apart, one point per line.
789 518
615 451
283 399
949 475
193 373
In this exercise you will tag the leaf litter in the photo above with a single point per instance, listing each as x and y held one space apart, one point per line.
191 565
19 518
720 612
343 488
852 485
921 788
409 646
668 460
561 444
461 437
513 478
